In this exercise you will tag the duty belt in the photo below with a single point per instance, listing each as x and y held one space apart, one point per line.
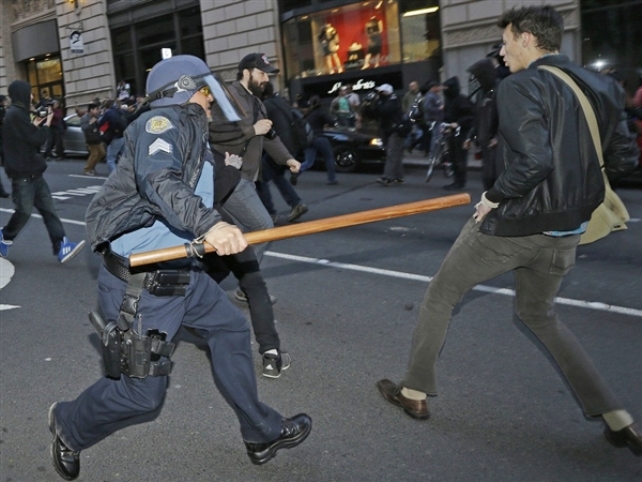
159 282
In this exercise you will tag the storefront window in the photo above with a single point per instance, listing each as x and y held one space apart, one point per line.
46 76
420 29
362 36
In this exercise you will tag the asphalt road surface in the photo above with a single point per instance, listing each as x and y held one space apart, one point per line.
347 306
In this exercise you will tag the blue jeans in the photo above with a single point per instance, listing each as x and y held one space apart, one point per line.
321 144
539 264
247 211
270 171
109 405
113 150
27 193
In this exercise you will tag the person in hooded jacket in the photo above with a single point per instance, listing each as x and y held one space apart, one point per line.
483 85
23 164
458 112
3 192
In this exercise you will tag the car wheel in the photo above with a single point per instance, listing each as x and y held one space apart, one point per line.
346 159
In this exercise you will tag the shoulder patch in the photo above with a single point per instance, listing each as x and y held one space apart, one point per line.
158 124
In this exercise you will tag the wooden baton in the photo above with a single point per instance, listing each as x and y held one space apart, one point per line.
311 227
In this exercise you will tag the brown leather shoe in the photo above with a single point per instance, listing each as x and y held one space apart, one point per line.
627 437
392 392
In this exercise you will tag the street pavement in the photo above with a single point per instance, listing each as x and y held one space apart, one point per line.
347 306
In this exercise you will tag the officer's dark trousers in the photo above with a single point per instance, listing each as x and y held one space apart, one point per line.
108 405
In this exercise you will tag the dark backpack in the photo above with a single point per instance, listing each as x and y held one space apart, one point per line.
300 129
302 133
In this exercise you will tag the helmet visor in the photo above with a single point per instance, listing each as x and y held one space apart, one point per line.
223 98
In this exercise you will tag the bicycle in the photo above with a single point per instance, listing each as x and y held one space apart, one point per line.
440 154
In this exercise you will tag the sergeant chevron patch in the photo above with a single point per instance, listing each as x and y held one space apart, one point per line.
160 145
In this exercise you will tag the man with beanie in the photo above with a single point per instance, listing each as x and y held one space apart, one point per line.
244 204
21 140
162 195
529 223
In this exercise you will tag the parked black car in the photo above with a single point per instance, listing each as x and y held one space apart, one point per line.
354 149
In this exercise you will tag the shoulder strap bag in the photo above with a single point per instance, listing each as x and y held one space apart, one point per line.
611 215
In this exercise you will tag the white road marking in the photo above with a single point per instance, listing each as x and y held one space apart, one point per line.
35 215
7 270
591 305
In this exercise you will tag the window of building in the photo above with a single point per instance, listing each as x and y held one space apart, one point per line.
357 36
45 75
137 47
421 29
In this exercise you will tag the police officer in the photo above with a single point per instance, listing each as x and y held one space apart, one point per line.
161 195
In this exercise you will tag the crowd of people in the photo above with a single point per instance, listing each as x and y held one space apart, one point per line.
195 166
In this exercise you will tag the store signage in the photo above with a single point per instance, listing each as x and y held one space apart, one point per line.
360 84
76 43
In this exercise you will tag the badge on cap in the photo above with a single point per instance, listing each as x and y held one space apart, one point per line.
158 124
160 145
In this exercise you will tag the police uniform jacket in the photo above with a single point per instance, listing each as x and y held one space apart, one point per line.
160 166
552 179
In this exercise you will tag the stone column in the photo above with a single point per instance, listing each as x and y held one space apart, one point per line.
469 29
235 28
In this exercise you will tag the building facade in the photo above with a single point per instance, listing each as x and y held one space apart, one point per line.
77 50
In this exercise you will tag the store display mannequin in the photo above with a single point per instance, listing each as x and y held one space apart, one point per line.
329 39
374 29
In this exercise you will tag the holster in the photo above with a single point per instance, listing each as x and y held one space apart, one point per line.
141 355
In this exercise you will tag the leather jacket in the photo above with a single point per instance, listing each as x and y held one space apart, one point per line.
552 179
157 173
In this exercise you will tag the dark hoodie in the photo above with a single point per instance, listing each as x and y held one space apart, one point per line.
486 122
457 107
21 139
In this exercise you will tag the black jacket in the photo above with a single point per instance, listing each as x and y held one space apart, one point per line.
485 123
387 109
21 140
457 107
161 185
279 112
552 179
318 117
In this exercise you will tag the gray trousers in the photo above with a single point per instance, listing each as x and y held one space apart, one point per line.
248 212
393 169
539 263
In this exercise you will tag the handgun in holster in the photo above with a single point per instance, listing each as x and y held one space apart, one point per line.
111 340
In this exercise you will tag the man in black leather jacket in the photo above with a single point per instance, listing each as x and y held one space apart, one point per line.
530 221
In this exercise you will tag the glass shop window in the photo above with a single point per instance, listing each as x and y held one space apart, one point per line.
363 35
421 29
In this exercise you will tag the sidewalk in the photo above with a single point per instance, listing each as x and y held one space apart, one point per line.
417 159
